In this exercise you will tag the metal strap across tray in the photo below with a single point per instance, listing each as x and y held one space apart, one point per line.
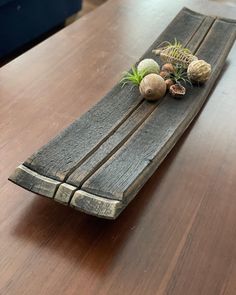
99 163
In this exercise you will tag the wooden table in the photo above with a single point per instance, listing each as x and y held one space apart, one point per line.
179 235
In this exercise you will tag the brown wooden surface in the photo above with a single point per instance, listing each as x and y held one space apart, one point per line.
179 235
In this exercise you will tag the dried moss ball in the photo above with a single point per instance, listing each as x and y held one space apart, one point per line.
199 71
149 66
152 87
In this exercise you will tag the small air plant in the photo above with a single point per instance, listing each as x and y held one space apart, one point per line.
176 46
179 75
133 77
174 53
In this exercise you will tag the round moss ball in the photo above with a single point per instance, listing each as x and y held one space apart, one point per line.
149 66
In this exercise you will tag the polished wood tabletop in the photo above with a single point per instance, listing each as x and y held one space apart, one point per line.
178 237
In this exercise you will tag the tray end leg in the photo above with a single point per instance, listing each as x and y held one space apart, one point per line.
34 182
95 205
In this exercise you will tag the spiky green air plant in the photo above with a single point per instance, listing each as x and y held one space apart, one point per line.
174 53
134 77
179 75
176 47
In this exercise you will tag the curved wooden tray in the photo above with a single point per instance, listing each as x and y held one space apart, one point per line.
100 162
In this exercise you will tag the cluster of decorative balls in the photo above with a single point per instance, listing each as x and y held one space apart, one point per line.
153 86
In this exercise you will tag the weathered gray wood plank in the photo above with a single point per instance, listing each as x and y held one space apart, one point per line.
114 142
34 182
200 34
96 205
74 145
123 175
65 193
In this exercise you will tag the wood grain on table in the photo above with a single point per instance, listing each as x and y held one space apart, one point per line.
179 235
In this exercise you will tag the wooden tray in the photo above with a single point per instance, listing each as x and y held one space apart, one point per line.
100 162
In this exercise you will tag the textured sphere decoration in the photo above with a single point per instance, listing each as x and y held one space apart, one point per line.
152 87
199 71
148 65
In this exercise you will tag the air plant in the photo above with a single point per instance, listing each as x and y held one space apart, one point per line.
175 47
178 45
134 77
179 75
174 53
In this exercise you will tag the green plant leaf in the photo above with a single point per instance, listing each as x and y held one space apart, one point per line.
134 77
180 75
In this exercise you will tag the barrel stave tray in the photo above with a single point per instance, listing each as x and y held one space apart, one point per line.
99 163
